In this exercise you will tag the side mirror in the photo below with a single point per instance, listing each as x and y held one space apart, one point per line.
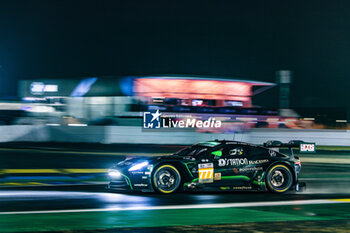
217 153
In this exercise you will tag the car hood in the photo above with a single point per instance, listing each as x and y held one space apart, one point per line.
129 161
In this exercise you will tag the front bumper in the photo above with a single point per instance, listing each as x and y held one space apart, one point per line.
131 181
122 184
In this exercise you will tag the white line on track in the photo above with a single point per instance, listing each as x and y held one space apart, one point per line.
175 207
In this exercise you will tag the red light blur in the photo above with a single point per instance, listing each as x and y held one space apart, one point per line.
194 89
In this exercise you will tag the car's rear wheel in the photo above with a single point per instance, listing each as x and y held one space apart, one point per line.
166 179
279 178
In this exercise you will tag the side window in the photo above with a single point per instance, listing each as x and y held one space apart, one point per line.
258 152
217 152
233 151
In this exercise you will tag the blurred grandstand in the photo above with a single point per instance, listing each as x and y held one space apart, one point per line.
114 100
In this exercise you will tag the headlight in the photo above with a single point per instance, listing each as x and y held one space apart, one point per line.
138 166
114 173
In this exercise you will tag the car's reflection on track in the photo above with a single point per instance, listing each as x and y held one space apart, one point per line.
29 200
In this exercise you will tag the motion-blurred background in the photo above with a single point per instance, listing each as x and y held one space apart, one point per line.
270 65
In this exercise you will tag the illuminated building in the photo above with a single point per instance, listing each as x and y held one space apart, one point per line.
98 97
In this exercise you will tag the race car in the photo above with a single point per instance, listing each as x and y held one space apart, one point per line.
211 166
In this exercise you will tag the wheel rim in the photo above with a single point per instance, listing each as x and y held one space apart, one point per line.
280 179
167 180
277 178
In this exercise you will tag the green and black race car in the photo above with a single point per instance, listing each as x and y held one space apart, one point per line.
213 165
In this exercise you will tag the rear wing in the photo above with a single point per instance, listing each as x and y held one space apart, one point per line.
304 147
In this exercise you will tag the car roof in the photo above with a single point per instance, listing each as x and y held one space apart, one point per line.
234 142
218 142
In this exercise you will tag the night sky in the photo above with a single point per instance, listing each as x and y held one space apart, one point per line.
243 39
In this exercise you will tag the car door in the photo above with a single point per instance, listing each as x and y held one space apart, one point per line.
227 166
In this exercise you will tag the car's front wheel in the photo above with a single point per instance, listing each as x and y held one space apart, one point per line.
166 179
279 178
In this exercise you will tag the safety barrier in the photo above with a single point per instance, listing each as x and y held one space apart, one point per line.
136 135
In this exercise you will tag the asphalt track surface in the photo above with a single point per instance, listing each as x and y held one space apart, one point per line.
92 207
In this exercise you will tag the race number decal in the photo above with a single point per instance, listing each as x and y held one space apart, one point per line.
205 173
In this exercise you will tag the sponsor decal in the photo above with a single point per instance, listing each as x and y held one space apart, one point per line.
232 162
248 169
254 162
236 151
205 165
217 176
153 120
235 170
272 153
206 173
137 172
242 188
307 148
140 185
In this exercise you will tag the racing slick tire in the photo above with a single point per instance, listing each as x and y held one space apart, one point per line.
279 178
166 179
